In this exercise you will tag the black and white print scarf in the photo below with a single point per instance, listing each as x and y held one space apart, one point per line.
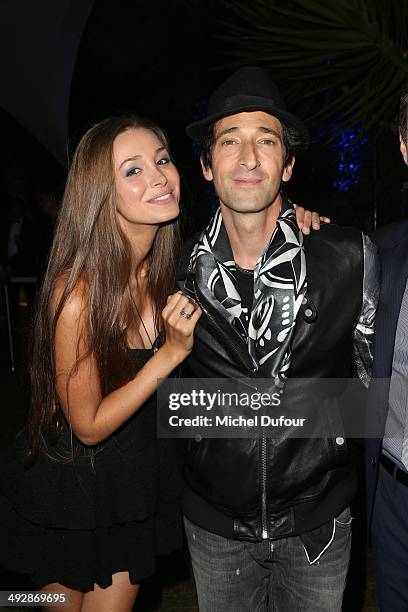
279 288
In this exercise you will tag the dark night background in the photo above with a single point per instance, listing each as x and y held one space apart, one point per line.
163 59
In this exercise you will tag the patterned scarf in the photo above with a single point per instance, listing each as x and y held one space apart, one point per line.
279 288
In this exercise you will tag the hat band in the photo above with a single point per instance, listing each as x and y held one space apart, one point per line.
238 101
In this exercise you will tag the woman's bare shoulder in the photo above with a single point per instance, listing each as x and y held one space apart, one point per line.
74 303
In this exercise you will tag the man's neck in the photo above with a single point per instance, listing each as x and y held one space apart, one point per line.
250 233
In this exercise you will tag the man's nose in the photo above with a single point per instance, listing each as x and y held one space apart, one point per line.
248 156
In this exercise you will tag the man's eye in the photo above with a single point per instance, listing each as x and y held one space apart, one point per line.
268 141
163 161
133 171
229 142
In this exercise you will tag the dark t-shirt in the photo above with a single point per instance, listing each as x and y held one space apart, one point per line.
245 285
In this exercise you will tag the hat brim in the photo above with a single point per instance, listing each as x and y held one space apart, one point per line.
198 130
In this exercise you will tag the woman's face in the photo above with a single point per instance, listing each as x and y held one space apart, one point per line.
146 180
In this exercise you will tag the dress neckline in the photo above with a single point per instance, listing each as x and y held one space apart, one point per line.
156 344
141 350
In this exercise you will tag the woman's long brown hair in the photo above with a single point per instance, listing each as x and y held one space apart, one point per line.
90 248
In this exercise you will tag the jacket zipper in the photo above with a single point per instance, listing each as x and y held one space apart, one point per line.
264 523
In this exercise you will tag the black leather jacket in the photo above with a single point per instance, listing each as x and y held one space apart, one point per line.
278 487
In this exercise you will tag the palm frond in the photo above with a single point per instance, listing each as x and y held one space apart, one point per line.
355 51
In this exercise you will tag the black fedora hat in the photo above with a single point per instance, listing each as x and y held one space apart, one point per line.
246 90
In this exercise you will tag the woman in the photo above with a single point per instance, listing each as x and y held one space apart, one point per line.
98 499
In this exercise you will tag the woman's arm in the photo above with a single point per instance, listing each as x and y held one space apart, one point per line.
92 417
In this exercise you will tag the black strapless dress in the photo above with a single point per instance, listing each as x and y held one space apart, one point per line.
81 516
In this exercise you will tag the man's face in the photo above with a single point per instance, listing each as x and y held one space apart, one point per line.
248 161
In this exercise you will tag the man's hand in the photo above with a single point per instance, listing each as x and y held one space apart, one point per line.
307 219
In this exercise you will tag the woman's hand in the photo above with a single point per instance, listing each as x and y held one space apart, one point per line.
307 219
92 415
180 316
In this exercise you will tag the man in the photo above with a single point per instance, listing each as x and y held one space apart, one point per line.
267 519
387 457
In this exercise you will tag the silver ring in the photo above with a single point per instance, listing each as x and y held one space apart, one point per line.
185 315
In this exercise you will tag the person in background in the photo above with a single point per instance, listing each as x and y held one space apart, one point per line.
387 455
20 244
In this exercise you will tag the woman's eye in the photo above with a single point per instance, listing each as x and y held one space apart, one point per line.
133 171
163 160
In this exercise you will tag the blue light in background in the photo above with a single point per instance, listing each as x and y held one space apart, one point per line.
349 147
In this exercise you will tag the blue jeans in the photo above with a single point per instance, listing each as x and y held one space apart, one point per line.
240 576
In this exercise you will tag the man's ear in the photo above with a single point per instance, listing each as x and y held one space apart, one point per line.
403 149
288 169
207 172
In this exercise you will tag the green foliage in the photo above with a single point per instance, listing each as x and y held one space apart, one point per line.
345 57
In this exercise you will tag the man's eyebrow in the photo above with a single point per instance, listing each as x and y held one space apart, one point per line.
128 159
261 128
268 130
226 131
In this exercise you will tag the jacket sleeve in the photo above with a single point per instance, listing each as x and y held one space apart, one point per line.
364 330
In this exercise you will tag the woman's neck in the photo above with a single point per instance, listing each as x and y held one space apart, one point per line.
141 238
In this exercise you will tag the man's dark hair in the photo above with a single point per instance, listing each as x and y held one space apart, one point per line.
403 114
292 142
